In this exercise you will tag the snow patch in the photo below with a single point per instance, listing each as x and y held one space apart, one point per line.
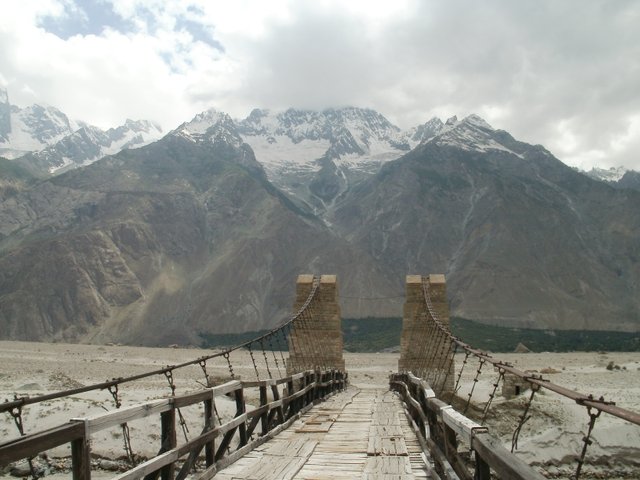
203 121
66 162
279 154
471 134
293 140
612 174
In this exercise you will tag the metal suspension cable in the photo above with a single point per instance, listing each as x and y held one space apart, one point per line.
11 405
599 404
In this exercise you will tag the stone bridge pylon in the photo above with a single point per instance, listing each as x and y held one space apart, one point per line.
316 341
422 350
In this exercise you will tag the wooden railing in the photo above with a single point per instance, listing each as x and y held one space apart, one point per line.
222 444
440 428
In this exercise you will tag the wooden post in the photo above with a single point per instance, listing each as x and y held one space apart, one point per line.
240 409
309 379
279 410
318 377
210 447
483 472
290 406
264 418
451 452
169 441
80 458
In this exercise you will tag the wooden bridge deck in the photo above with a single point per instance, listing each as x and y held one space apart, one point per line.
359 433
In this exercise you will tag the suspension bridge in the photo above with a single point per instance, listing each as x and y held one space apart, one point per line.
294 413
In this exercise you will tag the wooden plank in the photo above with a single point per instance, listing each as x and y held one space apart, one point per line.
191 398
379 476
503 462
274 468
386 446
231 424
98 422
209 472
460 424
387 465
260 383
298 394
32 444
386 431
298 447
149 466
226 388
194 452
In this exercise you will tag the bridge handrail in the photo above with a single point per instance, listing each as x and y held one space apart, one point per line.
303 389
438 426
599 404
19 402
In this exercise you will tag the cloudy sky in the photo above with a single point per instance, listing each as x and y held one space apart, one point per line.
565 74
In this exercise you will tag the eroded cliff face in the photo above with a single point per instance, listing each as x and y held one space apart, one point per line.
157 246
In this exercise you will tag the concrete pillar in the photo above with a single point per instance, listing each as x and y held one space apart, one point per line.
423 350
316 339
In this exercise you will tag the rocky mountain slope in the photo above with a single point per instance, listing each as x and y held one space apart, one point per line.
190 235
524 240
13 178
159 244
631 179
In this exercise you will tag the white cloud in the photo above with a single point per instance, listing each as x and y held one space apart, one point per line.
558 73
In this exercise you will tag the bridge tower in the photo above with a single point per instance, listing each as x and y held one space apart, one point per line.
423 349
316 341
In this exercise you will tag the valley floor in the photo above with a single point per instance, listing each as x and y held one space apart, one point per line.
549 439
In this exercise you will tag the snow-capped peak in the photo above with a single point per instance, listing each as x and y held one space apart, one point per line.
32 128
90 143
133 134
612 174
4 96
476 121
295 140
142 126
472 133
210 126
451 121
203 121
426 131
357 128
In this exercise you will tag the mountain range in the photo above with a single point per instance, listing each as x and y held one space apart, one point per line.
204 230
46 141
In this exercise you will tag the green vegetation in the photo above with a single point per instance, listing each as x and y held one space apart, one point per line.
378 334
371 334
505 339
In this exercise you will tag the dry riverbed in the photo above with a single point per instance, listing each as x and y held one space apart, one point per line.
549 439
